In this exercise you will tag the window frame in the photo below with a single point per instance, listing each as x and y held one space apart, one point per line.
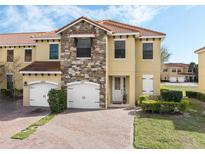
53 43
115 40
77 57
147 42
25 55
7 55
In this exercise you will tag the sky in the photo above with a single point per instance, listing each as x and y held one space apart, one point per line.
184 25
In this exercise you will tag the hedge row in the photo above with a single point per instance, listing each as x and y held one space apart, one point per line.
197 95
10 92
154 106
171 95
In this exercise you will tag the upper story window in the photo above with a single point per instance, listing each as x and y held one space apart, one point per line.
179 70
165 70
28 55
120 49
53 51
147 50
83 47
10 55
174 70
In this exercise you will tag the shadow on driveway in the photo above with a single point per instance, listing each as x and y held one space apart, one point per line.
12 109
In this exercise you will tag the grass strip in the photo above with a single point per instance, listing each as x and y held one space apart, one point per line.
23 134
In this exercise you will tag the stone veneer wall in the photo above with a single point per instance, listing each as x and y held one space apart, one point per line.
94 69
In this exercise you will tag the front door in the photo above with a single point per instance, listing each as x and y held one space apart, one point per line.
117 89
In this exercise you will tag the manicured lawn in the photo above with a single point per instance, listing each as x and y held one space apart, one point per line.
32 128
171 131
181 88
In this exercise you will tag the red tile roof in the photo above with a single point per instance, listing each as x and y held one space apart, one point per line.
51 66
118 27
23 38
109 25
176 65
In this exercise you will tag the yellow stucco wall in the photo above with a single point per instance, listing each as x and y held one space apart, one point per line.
201 61
19 53
40 52
32 78
134 67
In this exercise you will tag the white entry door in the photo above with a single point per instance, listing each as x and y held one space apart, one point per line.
117 89
39 93
147 84
83 95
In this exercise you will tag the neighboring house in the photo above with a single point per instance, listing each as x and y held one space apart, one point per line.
176 72
99 63
201 67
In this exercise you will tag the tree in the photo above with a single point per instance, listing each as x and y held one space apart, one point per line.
193 67
11 68
165 54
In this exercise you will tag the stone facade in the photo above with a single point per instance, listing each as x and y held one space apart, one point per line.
93 69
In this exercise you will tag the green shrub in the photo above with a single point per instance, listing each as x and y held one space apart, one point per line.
191 94
150 106
184 105
142 98
171 95
57 100
3 92
198 95
154 106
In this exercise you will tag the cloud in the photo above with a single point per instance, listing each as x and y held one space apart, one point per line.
45 18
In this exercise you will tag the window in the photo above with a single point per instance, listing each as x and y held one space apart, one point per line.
9 80
147 50
174 70
165 70
10 55
83 47
117 83
53 51
119 49
28 55
179 70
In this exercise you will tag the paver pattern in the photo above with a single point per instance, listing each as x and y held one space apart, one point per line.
74 128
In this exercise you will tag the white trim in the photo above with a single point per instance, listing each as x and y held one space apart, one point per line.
148 41
42 81
82 35
46 38
122 34
9 73
79 20
83 82
1 45
40 72
159 36
83 58
120 39
55 43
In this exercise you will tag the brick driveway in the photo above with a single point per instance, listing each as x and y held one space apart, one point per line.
14 117
74 129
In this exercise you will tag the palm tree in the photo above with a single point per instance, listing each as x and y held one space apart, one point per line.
165 54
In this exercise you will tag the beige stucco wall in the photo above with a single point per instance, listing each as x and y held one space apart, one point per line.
19 53
32 78
40 52
134 67
42 49
148 67
201 61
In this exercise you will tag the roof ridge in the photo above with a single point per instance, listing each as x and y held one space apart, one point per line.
133 26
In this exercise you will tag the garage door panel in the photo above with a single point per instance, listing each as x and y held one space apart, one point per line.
83 95
39 94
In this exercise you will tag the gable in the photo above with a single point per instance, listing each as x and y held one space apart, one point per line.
84 20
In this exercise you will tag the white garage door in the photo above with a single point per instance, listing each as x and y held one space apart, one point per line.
181 79
39 93
147 84
172 79
83 95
